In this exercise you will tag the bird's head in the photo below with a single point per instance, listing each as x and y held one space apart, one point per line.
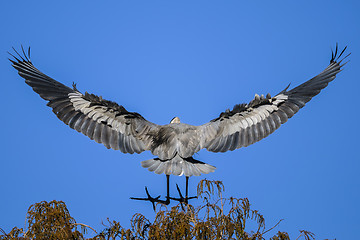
175 120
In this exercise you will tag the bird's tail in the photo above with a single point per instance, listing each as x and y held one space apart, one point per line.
178 166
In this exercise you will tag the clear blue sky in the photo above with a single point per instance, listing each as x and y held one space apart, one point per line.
191 59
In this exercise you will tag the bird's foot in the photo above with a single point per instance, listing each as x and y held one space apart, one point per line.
153 200
181 199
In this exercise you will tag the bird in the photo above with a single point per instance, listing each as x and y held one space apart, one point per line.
173 144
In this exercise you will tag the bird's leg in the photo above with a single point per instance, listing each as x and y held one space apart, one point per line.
156 199
186 193
181 198
167 189
186 188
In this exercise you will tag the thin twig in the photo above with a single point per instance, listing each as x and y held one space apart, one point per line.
273 226
3 232
84 225
26 219
192 218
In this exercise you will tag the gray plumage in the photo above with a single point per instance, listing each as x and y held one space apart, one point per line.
174 144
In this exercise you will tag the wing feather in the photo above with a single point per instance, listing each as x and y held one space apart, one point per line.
235 141
249 123
112 125
103 121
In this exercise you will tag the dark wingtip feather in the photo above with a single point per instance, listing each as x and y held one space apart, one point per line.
18 54
14 58
20 57
12 61
344 63
22 49
343 52
283 91
335 57
345 58
74 86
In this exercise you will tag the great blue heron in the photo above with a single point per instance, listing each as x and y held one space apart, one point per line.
174 144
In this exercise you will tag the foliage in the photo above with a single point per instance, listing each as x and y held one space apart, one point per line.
216 218
47 221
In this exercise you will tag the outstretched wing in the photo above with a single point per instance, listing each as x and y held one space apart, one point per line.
249 123
104 121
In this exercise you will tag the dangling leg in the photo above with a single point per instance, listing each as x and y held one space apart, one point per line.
156 199
182 199
167 189
186 191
